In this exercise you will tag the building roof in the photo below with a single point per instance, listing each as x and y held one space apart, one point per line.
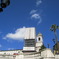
39 34
47 53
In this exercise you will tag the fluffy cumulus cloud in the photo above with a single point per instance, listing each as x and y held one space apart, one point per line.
19 34
38 2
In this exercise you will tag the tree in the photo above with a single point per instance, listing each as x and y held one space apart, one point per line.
5 3
53 41
1 10
53 28
42 47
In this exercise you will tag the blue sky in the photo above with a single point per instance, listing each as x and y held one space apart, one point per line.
21 14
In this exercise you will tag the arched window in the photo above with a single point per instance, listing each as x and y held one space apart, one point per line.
39 38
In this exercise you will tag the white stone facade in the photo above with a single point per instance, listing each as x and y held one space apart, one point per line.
28 52
46 54
19 54
30 33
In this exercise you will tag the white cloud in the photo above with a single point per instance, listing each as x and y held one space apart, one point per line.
34 14
37 17
33 11
0 45
19 34
40 20
38 2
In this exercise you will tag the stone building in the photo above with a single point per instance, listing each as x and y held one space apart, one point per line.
31 49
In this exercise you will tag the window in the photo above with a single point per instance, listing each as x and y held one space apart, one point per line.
30 43
39 38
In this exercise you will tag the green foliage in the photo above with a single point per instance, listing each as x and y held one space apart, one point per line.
54 27
42 47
